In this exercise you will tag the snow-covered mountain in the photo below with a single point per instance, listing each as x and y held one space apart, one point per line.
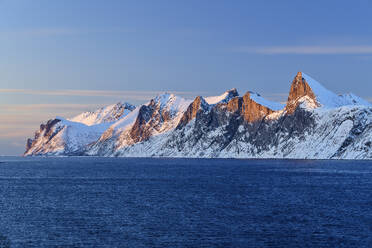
315 123
107 114
62 136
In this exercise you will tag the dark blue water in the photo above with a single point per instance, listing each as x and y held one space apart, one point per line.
119 202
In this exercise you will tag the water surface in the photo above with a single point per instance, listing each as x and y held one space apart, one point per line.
121 202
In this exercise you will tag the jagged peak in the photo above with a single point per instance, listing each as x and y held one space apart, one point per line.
126 105
203 104
163 99
275 106
165 95
305 85
170 102
106 114
199 103
224 98
233 91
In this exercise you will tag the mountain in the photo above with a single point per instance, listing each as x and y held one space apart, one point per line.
315 123
107 114
158 116
62 136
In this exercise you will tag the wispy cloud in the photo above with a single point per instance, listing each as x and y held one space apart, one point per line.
21 120
126 95
326 49
25 109
52 31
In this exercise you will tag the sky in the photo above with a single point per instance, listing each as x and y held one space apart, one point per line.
59 58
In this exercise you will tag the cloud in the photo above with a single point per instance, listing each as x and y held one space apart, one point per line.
10 112
137 96
52 31
19 121
325 50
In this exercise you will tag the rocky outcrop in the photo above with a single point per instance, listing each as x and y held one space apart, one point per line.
140 129
198 104
250 110
154 118
299 89
230 94
45 133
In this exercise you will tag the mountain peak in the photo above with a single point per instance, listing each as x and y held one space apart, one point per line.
299 75
232 91
275 106
106 114
199 103
305 88
224 98
299 89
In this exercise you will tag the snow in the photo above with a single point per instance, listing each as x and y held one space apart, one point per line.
276 115
328 99
69 137
264 102
215 99
333 127
219 99
355 100
106 132
170 102
126 121
225 97
103 115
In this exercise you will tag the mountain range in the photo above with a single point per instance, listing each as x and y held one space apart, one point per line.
315 123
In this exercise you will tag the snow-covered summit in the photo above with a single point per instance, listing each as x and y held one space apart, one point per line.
224 98
105 114
305 88
266 103
324 97
354 100
328 99
170 102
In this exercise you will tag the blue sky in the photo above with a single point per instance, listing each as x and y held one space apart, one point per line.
62 57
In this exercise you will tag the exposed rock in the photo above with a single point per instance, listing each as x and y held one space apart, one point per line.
248 108
140 130
45 132
224 98
198 104
299 89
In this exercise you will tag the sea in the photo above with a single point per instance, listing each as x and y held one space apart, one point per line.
161 202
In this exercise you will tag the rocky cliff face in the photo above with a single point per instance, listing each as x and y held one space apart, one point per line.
160 115
299 89
315 123
246 107
45 134
199 104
